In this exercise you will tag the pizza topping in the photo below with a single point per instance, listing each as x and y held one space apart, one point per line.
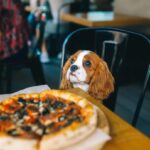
34 101
49 128
26 128
4 117
34 127
58 104
21 100
62 118
6 125
45 120
32 110
71 103
35 117
21 113
13 132
12 107
45 112
73 119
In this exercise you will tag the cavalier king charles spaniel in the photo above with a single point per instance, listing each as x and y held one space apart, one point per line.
86 70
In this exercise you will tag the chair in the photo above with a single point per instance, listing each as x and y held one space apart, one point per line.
141 97
109 43
10 66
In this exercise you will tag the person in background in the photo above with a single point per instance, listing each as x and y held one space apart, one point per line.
13 30
40 20
13 34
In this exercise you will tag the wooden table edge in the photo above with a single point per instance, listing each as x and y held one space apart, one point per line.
134 20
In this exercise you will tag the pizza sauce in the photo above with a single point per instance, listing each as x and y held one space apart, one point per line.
33 118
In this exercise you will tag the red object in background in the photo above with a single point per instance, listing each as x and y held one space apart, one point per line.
13 28
43 17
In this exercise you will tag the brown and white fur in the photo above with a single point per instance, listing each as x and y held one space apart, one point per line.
86 70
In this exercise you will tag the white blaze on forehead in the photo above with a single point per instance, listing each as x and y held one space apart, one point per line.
79 60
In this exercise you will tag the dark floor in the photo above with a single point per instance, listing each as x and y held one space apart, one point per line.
126 102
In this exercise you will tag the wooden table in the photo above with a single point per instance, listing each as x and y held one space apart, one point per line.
124 136
99 19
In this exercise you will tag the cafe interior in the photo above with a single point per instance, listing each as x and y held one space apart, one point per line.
48 32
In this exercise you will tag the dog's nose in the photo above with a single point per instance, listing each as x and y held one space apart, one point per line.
73 68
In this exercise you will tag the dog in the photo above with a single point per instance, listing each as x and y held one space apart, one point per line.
87 71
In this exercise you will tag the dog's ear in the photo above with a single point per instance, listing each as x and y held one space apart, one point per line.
102 82
65 84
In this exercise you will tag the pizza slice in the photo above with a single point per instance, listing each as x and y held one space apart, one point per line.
50 120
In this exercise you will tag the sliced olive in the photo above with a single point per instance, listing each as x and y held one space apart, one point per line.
45 111
58 104
69 121
26 128
77 118
48 101
72 111
74 118
22 113
33 101
21 100
13 132
4 117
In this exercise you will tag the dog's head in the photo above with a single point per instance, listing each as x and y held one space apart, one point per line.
88 71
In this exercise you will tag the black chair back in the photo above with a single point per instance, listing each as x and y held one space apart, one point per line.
141 97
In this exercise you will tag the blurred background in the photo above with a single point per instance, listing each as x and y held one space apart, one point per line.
43 34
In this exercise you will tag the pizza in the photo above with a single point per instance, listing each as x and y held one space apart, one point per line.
50 120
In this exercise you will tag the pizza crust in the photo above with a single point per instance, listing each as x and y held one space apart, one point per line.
11 143
103 125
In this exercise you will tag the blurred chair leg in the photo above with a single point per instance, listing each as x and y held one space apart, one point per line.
8 78
37 71
141 98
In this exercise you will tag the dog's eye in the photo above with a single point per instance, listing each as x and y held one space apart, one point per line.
72 61
87 63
